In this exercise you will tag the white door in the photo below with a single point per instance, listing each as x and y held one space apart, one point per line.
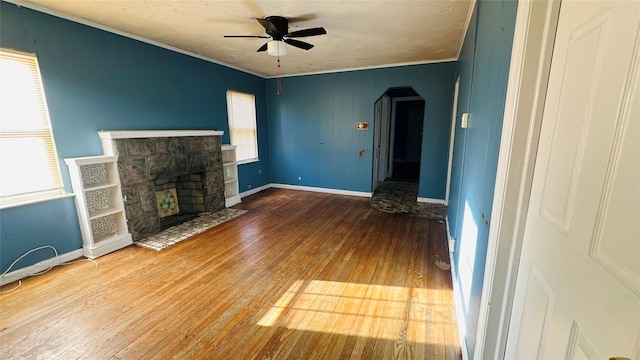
578 287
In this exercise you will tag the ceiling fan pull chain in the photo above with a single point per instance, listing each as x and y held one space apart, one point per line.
278 77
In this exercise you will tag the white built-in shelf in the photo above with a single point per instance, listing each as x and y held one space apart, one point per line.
230 170
103 222
102 213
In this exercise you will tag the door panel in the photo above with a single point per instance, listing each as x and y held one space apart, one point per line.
617 208
536 311
578 288
579 81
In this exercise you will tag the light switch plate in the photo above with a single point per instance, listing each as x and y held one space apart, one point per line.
465 121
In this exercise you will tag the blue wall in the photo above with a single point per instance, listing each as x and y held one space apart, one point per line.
483 68
313 135
96 80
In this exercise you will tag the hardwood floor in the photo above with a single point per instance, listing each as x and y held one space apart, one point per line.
302 276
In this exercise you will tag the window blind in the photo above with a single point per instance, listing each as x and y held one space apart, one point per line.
28 158
241 109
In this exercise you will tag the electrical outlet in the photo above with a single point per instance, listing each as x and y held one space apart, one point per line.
249 186
260 172
299 178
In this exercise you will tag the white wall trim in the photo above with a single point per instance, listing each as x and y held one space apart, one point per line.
457 300
533 39
35 201
254 190
450 240
372 67
467 22
454 115
40 266
431 201
322 190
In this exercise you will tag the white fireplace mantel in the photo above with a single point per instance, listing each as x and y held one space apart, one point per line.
106 137
141 134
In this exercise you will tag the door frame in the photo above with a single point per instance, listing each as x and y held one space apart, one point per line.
454 115
534 35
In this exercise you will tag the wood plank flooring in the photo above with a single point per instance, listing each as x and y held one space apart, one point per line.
300 276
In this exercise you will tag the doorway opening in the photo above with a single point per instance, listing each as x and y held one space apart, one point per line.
398 127
407 138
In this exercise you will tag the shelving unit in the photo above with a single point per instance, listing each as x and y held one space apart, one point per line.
99 202
230 168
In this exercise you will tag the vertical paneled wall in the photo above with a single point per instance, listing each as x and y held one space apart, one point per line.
483 68
95 80
312 123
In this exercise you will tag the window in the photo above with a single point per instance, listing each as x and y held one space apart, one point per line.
29 169
242 125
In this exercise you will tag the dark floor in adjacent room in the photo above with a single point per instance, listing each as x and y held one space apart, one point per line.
400 197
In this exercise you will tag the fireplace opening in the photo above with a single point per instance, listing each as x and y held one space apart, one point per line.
181 199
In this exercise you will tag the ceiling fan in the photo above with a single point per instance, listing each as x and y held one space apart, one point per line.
277 28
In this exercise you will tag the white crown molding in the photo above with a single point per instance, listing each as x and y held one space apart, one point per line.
373 67
466 26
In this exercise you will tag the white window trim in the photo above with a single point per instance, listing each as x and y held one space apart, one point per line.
35 200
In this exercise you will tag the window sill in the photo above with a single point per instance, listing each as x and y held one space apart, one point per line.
35 201
248 161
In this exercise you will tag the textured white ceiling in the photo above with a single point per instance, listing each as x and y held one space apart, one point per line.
360 34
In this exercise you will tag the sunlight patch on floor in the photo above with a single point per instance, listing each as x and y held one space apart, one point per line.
375 311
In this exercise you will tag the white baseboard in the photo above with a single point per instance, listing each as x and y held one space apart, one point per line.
255 190
322 190
432 201
457 300
38 267
450 239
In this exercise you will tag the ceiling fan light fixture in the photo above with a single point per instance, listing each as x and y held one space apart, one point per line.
276 48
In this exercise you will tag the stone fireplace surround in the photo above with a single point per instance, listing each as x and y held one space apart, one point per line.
147 158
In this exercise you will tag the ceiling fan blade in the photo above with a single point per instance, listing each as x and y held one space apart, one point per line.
262 48
298 44
247 36
307 32
267 25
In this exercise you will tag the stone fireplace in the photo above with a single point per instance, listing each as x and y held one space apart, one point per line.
150 161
